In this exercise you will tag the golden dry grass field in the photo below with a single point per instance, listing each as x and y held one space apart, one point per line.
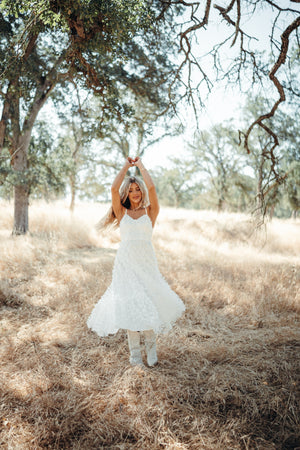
228 372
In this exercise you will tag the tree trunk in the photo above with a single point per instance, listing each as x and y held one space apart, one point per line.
21 210
259 194
220 205
21 192
73 192
221 201
19 154
271 213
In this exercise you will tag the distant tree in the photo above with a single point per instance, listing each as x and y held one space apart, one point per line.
293 190
137 134
176 185
289 133
292 182
48 165
269 190
214 153
144 129
241 191
77 126
98 153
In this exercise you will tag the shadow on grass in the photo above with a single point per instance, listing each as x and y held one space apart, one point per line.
213 391
80 392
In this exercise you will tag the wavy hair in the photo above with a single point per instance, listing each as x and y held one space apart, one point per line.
110 218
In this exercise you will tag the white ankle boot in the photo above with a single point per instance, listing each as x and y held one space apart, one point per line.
150 344
134 347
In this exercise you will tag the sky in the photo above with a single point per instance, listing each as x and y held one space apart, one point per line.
222 104
220 107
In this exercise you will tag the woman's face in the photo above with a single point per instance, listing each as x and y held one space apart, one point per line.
135 194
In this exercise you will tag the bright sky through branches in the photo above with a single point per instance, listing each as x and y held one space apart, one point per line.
224 103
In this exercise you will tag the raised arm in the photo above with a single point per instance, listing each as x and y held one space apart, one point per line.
115 195
154 205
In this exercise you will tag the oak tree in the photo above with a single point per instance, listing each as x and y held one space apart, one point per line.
99 46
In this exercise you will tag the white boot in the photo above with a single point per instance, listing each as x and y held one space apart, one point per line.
150 344
134 347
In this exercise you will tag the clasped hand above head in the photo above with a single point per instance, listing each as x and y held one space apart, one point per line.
134 161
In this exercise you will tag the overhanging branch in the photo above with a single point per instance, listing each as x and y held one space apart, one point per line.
272 75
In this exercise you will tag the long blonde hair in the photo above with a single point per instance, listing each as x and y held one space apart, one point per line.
110 217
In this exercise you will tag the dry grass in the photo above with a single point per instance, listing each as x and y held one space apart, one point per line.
228 376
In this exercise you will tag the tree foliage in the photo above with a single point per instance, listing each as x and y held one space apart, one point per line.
101 46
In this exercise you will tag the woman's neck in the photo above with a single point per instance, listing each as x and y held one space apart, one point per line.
134 206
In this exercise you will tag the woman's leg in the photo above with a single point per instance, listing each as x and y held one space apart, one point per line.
150 344
134 347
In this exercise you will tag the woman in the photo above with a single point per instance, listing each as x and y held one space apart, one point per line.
138 299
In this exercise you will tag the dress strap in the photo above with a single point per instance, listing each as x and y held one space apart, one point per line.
125 210
146 210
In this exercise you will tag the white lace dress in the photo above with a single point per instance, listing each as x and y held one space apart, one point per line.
138 298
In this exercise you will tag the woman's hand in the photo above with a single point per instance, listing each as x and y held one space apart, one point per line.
134 162
128 162
138 162
131 160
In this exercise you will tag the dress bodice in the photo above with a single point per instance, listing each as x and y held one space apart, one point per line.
136 229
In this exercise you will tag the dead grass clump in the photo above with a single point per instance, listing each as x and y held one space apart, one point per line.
9 299
228 372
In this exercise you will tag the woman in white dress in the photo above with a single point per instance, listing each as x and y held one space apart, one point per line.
138 299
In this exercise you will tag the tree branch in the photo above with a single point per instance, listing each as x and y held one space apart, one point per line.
284 9
272 75
189 59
